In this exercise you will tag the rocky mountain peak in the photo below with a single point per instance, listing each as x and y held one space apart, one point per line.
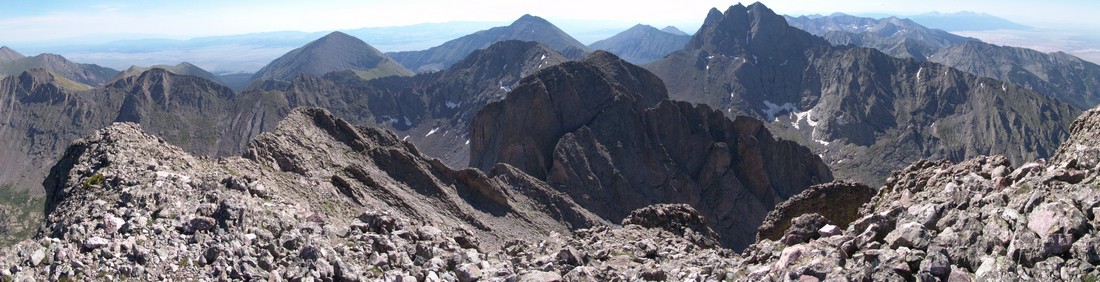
608 80
528 19
674 30
336 51
752 30
34 77
7 54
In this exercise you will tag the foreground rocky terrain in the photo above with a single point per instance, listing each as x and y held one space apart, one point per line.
124 204
983 219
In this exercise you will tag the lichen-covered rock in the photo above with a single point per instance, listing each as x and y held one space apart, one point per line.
837 201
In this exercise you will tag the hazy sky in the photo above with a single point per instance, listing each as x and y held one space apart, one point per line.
24 21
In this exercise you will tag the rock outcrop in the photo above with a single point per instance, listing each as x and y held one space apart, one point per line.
839 202
615 146
316 197
982 219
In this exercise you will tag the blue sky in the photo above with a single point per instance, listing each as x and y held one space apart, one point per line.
28 21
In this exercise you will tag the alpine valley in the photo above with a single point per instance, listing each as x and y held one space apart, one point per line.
761 147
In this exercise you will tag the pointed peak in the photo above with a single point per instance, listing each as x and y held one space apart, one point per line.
338 37
754 29
673 30
530 19
714 15
7 54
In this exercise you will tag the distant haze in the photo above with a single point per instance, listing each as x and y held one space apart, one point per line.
242 36
27 21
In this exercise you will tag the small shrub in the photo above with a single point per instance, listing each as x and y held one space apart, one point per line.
95 179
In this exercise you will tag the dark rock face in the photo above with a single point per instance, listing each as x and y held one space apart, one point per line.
679 219
523 130
188 110
839 202
610 148
865 112
526 28
642 43
334 52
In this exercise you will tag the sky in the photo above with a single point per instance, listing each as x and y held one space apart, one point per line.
32 21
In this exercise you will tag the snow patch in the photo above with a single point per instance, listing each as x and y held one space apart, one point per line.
918 73
467 141
453 105
823 142
431 132
407 122
405 139
804 115
1004 87
773 109
169 175
785 62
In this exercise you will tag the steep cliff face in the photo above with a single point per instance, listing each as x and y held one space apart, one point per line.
187 110
865 112
615 146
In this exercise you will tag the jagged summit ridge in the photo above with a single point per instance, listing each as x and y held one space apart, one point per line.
752 30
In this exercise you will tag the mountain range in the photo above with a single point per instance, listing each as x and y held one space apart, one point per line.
526 28
897 37
1058 75
866 112
13 64
517 153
